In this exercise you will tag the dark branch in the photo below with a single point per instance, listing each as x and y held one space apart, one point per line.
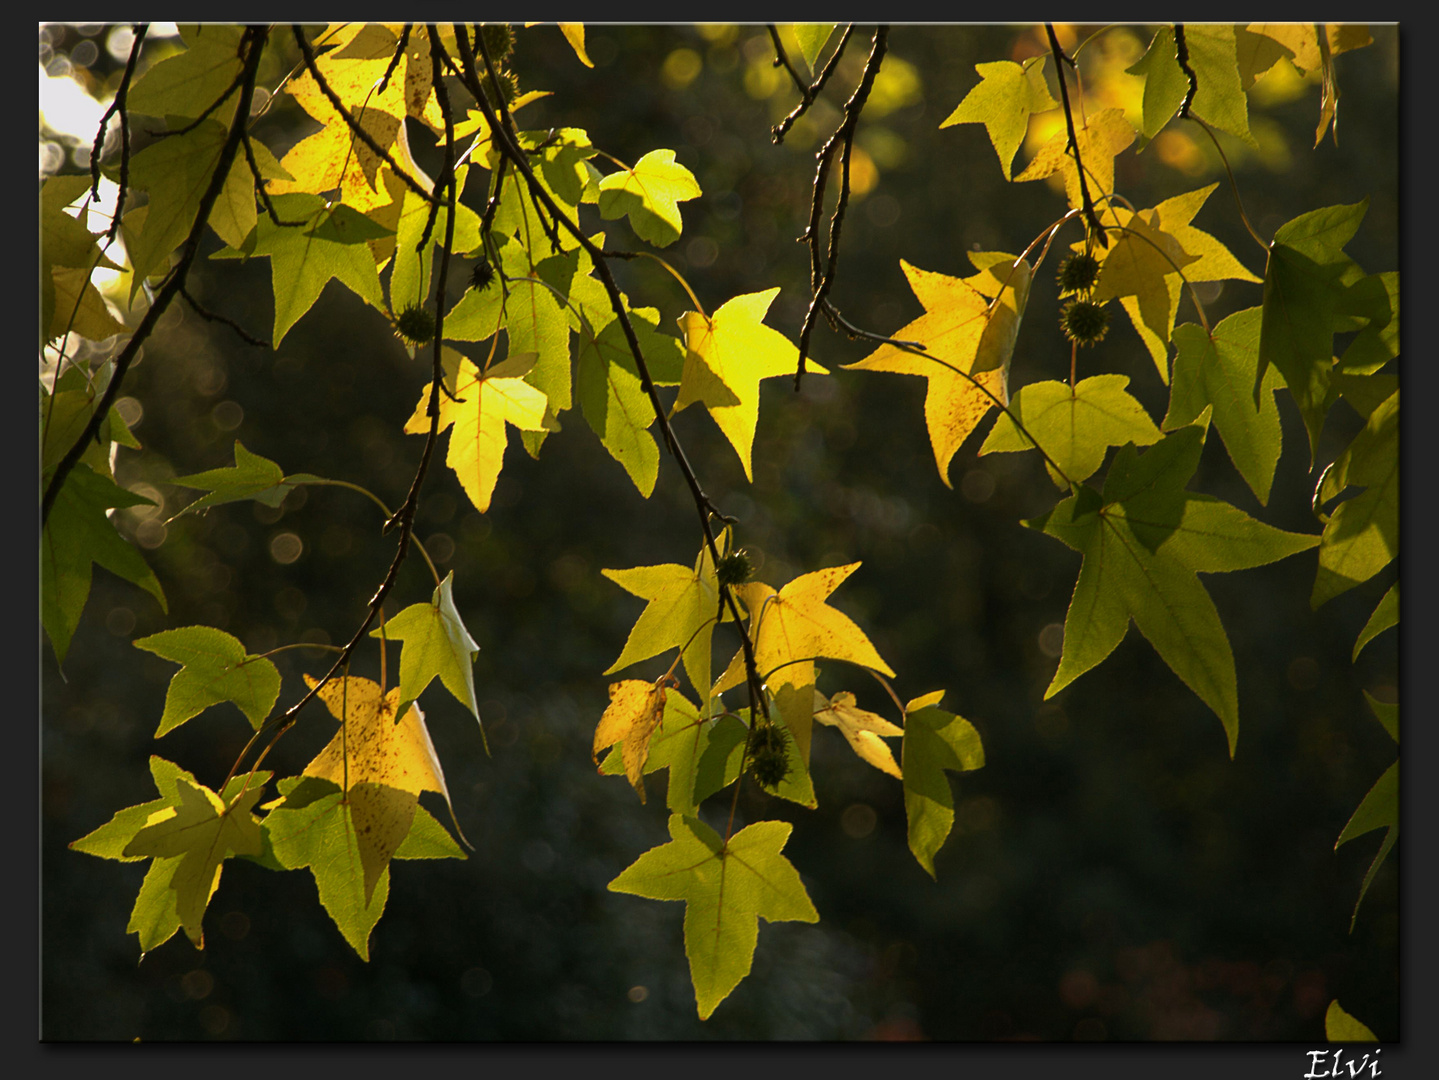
175 281
1181 54
117 108
781 129
1096 230
781 58
210 316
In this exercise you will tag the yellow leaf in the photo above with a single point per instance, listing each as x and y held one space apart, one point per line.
961 347
1300 41
650 195
1100 140
371 747
862 730
635 710
726 357
793 627
1007 95
486 402
575 35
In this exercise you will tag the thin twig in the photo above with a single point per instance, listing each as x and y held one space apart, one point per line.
1089 215
781 58
354 125
396 58
260 184
175 280
117 108
778 132
1181 54
820 279
210 316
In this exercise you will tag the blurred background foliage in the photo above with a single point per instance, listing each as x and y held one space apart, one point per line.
1111 875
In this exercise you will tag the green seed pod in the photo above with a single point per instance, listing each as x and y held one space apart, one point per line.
1084 322
499 39
1078 273
735 568
769 754
482 274
416 325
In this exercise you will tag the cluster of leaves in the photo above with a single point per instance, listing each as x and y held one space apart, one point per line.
543 327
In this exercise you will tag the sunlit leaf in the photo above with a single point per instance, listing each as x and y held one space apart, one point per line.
214 668
436 644
1007 95
649 194
934 741
635 710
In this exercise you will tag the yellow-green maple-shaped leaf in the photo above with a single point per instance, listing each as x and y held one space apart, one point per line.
964 332
793 627
331 244
1339 1026
613 398
805 40
77 307
64 240
1214 58
682 610
436 643
727 355
253 476
410 276
483 403
1259 46
727 888
1075 426
1007 95
214 668
188 83
77 535
1102 138
317 826
1361 537
861 729
1218 371
334 157
650 194
380 764
934 740
702 756
200 830
1144 541
635 710
1379 808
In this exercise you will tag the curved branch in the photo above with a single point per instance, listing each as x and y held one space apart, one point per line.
117 107
1088 205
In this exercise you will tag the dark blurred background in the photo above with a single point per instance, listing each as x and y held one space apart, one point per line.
1112 874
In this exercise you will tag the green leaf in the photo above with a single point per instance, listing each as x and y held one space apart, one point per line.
702 756
410 278
251 477
1386 614
175 171
1374 297
934 740
188 83
436 643
1007 95
64 240
1074 426
1386 714
1220 371
109 840
428 839
76 536
535 323
1304 286
303 259
1378 810
681 613
316 827
214 667
727 889
1339 1026
1220 99
1165 83
649 195
1362 535
614 401
805 40
202 831
1143 543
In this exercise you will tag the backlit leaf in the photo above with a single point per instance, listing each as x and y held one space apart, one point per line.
635 710
214 668
1101 139
861 729
1362 535
934 740
1385 615
188 83
436 643
1339 1026
251 477
1007 95
649 194
727 889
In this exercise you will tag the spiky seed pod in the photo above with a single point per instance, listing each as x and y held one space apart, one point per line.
481 275
1078 273
735 568
509 85
415 325
1084 322
499 40
769 754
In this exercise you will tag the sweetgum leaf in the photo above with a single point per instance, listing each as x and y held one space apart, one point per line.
214 668
1007 95
1102 138
1385 615
436 644
968 332
727 356
1362 535
649 195
1378 810
635 710
251 477
702 756
861 729
1075 426
188 83
1143 542
934 740
76 536
727 888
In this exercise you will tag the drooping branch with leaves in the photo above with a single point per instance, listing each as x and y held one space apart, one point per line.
543 328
